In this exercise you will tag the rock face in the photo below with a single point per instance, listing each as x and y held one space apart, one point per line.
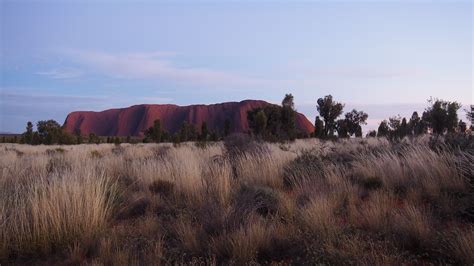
134 120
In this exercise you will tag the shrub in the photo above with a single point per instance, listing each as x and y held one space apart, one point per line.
134 209
262 200
304 169
162 187
371 183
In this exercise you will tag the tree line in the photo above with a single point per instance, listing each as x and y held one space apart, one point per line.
273 123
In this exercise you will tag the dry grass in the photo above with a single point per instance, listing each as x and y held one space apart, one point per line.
356 201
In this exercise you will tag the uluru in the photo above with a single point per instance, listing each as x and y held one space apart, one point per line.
134 120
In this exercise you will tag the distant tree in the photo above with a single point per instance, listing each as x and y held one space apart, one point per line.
35 140
128 139
415 125
92 138
318 128
288 101
383 129
354 120
117 141
214 136
227 126
469 114
260 123
441 115
288 117
404 129
271 129
204 132
193 133
371 134
154 133
49 131
28 135
184 132
165 136
462 126
329 110
342 128
78 135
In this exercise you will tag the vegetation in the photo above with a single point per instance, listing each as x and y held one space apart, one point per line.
274 123
349 201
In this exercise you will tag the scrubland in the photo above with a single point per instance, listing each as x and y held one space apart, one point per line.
355 201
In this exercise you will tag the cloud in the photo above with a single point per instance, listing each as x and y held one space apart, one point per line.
67 73
155 66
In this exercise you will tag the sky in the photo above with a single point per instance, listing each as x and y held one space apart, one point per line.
384 57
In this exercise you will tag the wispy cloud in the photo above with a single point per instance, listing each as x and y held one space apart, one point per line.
66 73
155 65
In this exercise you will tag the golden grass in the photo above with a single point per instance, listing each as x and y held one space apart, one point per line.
354 201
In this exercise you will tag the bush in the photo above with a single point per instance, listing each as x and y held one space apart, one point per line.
305 168
162 187
262 200
371 183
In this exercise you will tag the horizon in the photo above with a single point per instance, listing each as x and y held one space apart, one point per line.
385 58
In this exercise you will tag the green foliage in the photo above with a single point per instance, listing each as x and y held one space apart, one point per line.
372 134
274 123
319 128
204 132
27 137
155 132
93 139
383 130
441 116
260 123
329 110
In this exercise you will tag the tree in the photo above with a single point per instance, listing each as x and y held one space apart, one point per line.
329 110
404 129
184 132
462 126
383 130
49 131
354 120
288 101
342 128
441 116
93 138
318 128
288 124
260 123
77 133
227 126
416 126
28 135
154 132
371 134
204 132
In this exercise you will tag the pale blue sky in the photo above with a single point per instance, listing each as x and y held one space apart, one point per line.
385 57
